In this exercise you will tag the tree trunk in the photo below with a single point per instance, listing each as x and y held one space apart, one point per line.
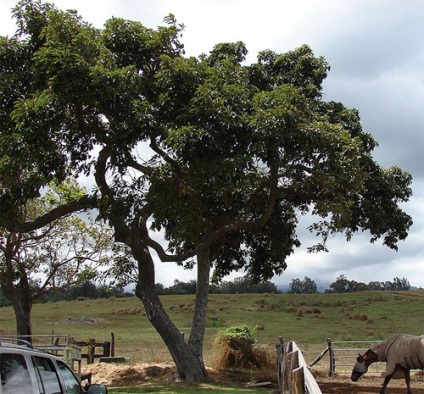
22 308
23 321
189 366
197 333
21 299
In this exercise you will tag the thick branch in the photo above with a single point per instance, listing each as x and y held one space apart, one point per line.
100 174
165 156
137 166
83 203
237 224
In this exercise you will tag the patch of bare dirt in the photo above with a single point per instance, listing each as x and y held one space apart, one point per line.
78 320
368 384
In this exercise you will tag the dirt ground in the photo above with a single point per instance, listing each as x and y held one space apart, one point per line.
115 375
369 384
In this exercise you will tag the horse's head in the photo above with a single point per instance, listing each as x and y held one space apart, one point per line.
362 364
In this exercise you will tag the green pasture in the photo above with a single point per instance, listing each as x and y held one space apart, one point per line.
307 319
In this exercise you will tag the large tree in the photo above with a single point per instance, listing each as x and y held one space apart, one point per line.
220 155
65 252
305 286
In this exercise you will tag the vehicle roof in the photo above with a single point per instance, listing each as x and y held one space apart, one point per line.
8 343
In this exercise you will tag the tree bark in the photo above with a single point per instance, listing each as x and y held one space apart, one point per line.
189 365
22 308
197 333
23 321
19 295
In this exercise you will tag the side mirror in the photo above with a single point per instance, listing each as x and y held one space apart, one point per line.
97 389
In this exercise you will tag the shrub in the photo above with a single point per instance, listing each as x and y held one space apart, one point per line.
237 336
235 348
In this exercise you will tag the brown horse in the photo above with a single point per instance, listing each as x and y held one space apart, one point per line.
401 352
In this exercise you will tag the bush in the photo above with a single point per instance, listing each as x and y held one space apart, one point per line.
236 348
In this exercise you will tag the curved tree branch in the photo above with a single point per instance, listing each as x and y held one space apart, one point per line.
137 166
83 203
155 147
237 224
100 173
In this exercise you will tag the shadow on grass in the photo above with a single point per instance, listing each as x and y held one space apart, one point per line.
182 388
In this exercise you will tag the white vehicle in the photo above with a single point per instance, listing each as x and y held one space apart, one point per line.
24 370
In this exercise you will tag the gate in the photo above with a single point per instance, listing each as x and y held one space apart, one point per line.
343 356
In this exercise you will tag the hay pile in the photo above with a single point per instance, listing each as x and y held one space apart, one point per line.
127 375
236 349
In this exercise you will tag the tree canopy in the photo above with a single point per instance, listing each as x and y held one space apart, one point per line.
343 285
305 286
219 155
67 251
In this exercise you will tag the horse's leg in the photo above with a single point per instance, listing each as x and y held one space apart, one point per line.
385 383
408 380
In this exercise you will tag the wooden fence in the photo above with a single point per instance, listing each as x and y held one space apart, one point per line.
107 349
294 376
73 351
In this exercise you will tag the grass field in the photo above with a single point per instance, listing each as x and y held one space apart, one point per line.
306 319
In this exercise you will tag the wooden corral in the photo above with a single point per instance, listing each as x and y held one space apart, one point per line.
71 350
107 349
294 376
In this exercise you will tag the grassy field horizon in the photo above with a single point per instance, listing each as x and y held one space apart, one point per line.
307 319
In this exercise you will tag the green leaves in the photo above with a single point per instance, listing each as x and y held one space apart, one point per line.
220 156
208 149
298 67
62 193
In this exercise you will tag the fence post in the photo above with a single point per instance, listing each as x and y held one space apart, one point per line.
91 348
280 357
332 357
293 365
112 346
106 349
298 377
294 376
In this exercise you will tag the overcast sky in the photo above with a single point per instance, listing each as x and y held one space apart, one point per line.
376 52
